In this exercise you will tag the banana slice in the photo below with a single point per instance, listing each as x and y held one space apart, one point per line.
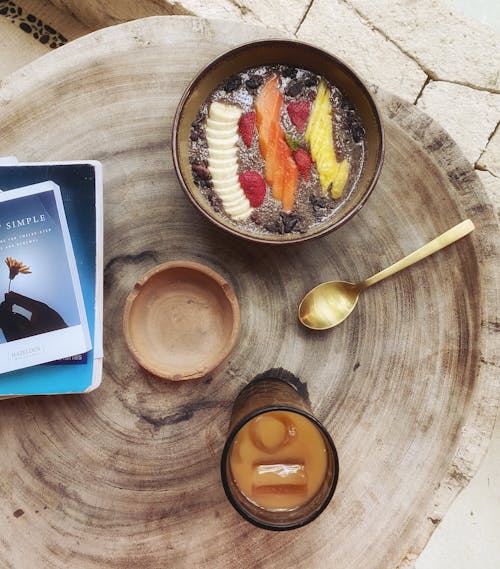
222 139
222 174
241 217
234 202
214 122
222 154
239 209
230 197
229 192
221 184
221 133
224 113
217 125
220 143
222 163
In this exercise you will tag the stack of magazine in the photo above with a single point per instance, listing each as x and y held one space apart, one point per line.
51 275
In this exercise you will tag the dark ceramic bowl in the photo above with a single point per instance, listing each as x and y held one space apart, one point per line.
297 54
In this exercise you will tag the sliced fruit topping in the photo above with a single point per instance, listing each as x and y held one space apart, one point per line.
290 182
224 154
299 111
254 187
281 172
221 142
319 134
303 160
222 163
246 127
222 139
267 107
220 130
224 113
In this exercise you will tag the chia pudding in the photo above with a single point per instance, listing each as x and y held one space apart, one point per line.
277 149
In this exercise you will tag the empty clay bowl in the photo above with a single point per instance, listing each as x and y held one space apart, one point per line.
181 320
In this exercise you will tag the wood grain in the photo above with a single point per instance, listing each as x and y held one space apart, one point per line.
128 476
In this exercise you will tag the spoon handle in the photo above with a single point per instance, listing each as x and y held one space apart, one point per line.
447 238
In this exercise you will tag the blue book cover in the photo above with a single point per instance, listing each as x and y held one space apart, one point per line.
71 290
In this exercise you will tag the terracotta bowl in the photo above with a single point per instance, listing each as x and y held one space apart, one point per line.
181 320
298 54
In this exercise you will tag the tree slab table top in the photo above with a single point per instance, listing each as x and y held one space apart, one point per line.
128 475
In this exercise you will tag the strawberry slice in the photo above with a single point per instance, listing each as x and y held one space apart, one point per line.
254 187
246 127
299 111
303 160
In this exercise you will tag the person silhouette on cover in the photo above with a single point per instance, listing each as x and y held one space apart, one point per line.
16 326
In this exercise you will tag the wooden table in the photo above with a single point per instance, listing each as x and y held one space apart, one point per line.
128 475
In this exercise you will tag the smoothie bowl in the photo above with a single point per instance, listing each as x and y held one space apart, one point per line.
277 142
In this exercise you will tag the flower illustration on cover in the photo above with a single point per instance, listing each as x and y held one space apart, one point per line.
15 268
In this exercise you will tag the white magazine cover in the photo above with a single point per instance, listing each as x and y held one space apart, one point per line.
42 316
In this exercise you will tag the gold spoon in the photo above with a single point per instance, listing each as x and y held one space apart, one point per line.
330 303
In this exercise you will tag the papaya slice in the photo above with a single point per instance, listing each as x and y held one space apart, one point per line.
290 182
281 172
267 108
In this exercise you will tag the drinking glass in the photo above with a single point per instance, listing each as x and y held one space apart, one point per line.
266 394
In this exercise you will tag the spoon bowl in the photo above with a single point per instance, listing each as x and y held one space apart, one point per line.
330 303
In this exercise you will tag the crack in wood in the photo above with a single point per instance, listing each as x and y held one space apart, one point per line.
137 258
183 414
127 259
